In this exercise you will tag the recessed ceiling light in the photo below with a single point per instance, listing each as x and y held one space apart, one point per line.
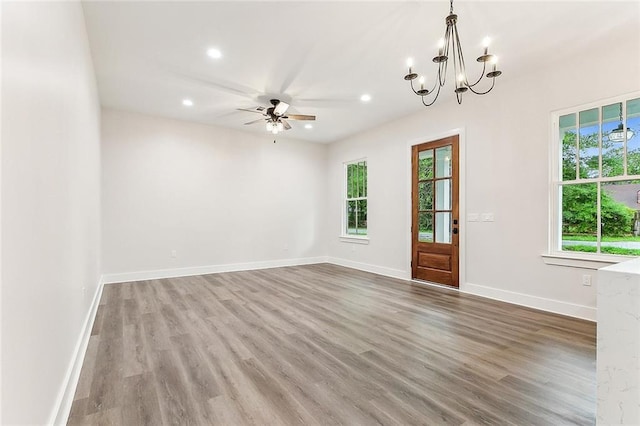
187 102
308 126
365 98
214 53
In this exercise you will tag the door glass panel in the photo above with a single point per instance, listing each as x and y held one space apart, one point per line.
425 195
443 227
589 152
443 161
443 194
425 227
425 164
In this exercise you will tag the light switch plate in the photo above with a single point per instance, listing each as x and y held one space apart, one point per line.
487 217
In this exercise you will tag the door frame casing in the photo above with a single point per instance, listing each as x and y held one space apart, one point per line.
462 212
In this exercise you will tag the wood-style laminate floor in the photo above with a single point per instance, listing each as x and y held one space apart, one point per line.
323 344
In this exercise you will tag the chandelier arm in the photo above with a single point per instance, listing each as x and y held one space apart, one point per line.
493 82
414 90
418 94
484 67
434 99
460 56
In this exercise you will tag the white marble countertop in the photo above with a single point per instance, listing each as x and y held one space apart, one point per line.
630 267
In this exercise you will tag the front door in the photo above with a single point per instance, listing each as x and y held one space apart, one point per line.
435 221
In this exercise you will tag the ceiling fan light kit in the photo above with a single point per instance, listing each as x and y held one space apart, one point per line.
450 48
276 120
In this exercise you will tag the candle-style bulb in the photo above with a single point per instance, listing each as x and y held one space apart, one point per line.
409 62
440 46
460 77
421 80
486 42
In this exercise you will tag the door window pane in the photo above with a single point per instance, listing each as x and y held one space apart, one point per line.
443 161
425 227
425 195
443 227
443 194
425 164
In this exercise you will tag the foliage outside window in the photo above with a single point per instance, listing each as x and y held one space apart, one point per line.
355 205
599 179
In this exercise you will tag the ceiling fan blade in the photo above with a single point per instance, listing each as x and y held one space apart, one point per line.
255 121
301 117
281 108
259 110
286 125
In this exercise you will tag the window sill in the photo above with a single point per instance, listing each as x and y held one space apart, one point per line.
582 261
354 240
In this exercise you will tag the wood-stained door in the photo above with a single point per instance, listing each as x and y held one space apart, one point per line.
435 222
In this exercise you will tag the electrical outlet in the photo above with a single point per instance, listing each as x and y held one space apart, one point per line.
472 217
174 253
586 279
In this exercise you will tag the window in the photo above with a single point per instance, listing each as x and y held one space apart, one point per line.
596 179
355 200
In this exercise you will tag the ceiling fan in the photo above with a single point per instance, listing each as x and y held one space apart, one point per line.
275 117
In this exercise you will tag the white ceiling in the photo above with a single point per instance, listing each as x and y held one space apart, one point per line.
321 56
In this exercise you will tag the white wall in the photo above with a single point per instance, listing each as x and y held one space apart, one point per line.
50 202
217 197
507 173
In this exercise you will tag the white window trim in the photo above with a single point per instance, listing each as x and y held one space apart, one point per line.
344 237
555 256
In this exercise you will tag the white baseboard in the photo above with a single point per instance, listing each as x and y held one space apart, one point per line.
540 303
62 408
535 302
210 269
380 270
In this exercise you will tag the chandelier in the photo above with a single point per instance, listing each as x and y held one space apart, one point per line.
450 50
618 134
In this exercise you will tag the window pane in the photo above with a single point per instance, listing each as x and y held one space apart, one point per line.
633 143
443 194
351 217
569 143
350 174
425 227
425 195
589 152
362 217
443 227
612 149
364 179
425 165
579 216
620 217
443 161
